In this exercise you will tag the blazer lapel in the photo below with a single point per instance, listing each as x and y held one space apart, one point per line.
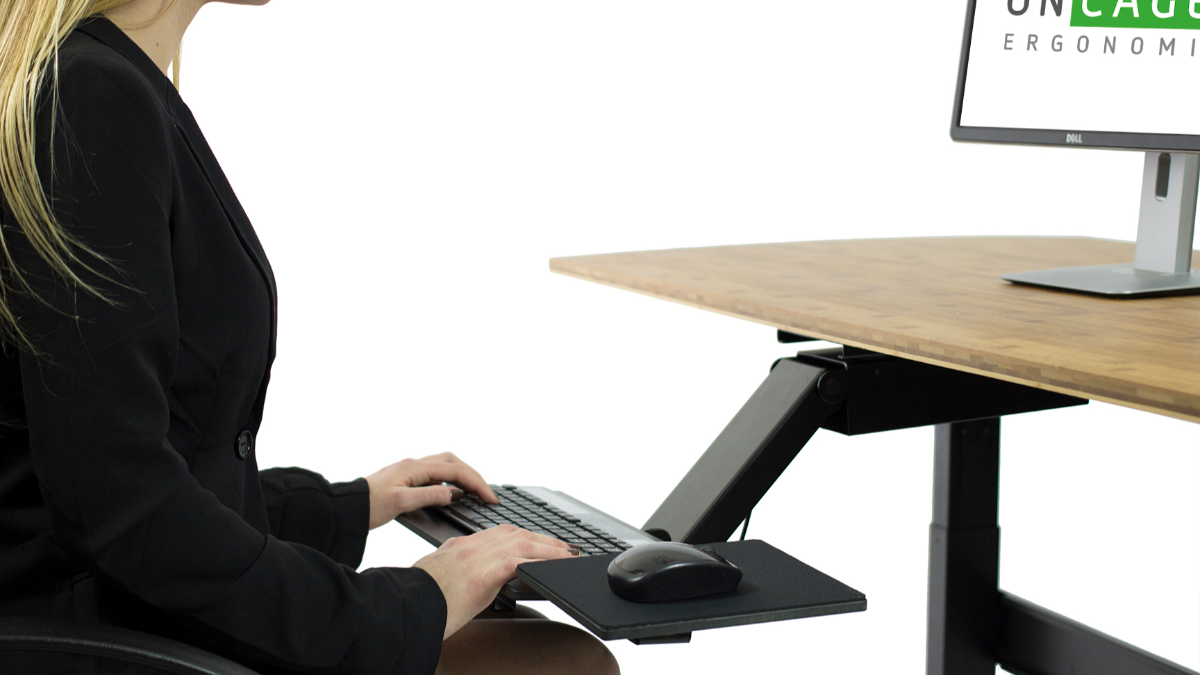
224 191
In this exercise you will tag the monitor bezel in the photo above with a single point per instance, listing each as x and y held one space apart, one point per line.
1054 137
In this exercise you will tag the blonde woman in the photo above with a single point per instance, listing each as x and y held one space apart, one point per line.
137 313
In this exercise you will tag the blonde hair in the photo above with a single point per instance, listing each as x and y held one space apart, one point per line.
31 32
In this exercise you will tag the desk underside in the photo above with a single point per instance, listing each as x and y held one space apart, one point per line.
941 301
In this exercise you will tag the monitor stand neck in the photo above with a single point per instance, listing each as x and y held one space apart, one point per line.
1168 213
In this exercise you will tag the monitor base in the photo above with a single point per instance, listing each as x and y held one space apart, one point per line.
1162 260
1113 281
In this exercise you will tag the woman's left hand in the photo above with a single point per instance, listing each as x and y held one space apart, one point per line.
412 484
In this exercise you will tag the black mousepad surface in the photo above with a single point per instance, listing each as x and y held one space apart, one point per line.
774 587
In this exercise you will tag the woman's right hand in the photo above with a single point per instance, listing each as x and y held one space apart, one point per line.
471 570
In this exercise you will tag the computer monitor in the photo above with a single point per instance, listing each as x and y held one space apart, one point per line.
1121 74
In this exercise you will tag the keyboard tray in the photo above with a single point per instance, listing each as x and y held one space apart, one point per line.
775 587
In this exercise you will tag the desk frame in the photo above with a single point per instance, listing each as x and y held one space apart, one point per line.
972 624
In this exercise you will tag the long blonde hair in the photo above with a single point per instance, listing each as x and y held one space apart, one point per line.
31 32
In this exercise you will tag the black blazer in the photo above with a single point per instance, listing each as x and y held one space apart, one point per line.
129 491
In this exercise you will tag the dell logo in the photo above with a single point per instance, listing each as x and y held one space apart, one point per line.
1075 139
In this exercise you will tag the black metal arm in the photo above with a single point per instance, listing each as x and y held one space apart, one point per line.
846 390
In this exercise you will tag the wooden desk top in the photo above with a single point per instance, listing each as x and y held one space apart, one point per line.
941 301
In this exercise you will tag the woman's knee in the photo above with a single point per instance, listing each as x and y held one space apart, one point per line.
588 653
525 646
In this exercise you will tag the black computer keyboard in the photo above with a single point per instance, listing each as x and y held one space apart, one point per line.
528 512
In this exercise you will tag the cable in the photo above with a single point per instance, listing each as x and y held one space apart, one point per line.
746 525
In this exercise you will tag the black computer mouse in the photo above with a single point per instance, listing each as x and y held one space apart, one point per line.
671 571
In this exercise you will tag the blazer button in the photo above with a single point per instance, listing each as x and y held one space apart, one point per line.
245 443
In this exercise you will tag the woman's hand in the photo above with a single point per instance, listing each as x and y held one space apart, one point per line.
412 484
471 570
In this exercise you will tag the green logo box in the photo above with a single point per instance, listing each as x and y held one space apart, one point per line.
1149 14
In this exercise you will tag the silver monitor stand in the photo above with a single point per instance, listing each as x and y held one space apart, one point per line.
1162 263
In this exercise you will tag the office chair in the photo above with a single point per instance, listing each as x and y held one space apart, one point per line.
110 642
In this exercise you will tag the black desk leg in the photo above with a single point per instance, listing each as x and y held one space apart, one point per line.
964 550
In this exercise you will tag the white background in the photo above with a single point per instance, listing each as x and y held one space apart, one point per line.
412 166
1037 88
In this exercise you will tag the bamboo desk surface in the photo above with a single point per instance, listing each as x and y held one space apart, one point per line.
941 301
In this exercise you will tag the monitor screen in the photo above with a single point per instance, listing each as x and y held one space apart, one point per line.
1099 73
